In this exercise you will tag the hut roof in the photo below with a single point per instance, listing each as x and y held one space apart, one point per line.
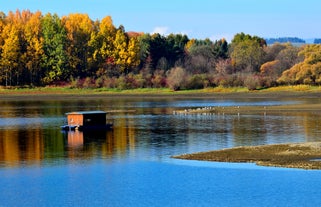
86 112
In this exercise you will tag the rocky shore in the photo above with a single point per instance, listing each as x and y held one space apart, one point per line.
296 155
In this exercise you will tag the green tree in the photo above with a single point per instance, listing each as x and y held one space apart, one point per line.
175 48
240 37
157 50
247 52
55 57
143 54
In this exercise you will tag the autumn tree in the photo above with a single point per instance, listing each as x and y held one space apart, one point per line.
14 46
202 55
133 59
271 52
200 59
34 48
281 57
102 46
126 51
2 25
10 53
79 28
176 78
306 72
290 56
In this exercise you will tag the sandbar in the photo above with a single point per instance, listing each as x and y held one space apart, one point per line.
289 155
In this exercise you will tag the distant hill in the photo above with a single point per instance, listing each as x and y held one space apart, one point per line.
295 40
317 41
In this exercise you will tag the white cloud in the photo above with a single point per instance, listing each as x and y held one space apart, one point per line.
160 30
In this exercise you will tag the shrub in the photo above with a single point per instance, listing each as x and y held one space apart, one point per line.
159 80
110 82
88 83
252 82
120 83
75 82
197 81
176 78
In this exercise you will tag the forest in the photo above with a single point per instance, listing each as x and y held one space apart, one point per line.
47 50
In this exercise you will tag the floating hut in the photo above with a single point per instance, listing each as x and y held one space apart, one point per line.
84 120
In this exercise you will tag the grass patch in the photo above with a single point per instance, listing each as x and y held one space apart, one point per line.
221 89
296 88
153 91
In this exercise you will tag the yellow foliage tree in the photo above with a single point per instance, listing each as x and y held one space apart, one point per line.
126 51
133 52
306 72
107 33
189 44
34 50
10 53
79 28
270 68
101 45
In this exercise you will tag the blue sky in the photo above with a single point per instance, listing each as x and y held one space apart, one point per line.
201 19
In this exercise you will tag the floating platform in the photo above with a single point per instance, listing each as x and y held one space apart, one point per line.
81 128
86 120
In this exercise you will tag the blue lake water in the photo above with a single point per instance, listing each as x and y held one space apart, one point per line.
131 165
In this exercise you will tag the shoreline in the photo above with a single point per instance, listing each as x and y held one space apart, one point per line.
289 155
45 95
9 94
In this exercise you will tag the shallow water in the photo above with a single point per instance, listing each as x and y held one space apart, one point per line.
131 165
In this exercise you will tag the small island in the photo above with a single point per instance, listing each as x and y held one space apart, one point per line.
290 155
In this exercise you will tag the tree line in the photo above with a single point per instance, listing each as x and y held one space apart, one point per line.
285 40
44 49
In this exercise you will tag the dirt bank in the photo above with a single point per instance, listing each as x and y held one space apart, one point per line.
299 155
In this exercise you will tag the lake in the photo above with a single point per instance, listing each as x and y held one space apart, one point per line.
131 165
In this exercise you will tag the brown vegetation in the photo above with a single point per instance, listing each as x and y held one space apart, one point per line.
300 155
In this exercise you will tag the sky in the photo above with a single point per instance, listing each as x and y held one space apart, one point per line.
214 19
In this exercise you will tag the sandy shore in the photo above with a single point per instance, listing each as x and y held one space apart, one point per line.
298 155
